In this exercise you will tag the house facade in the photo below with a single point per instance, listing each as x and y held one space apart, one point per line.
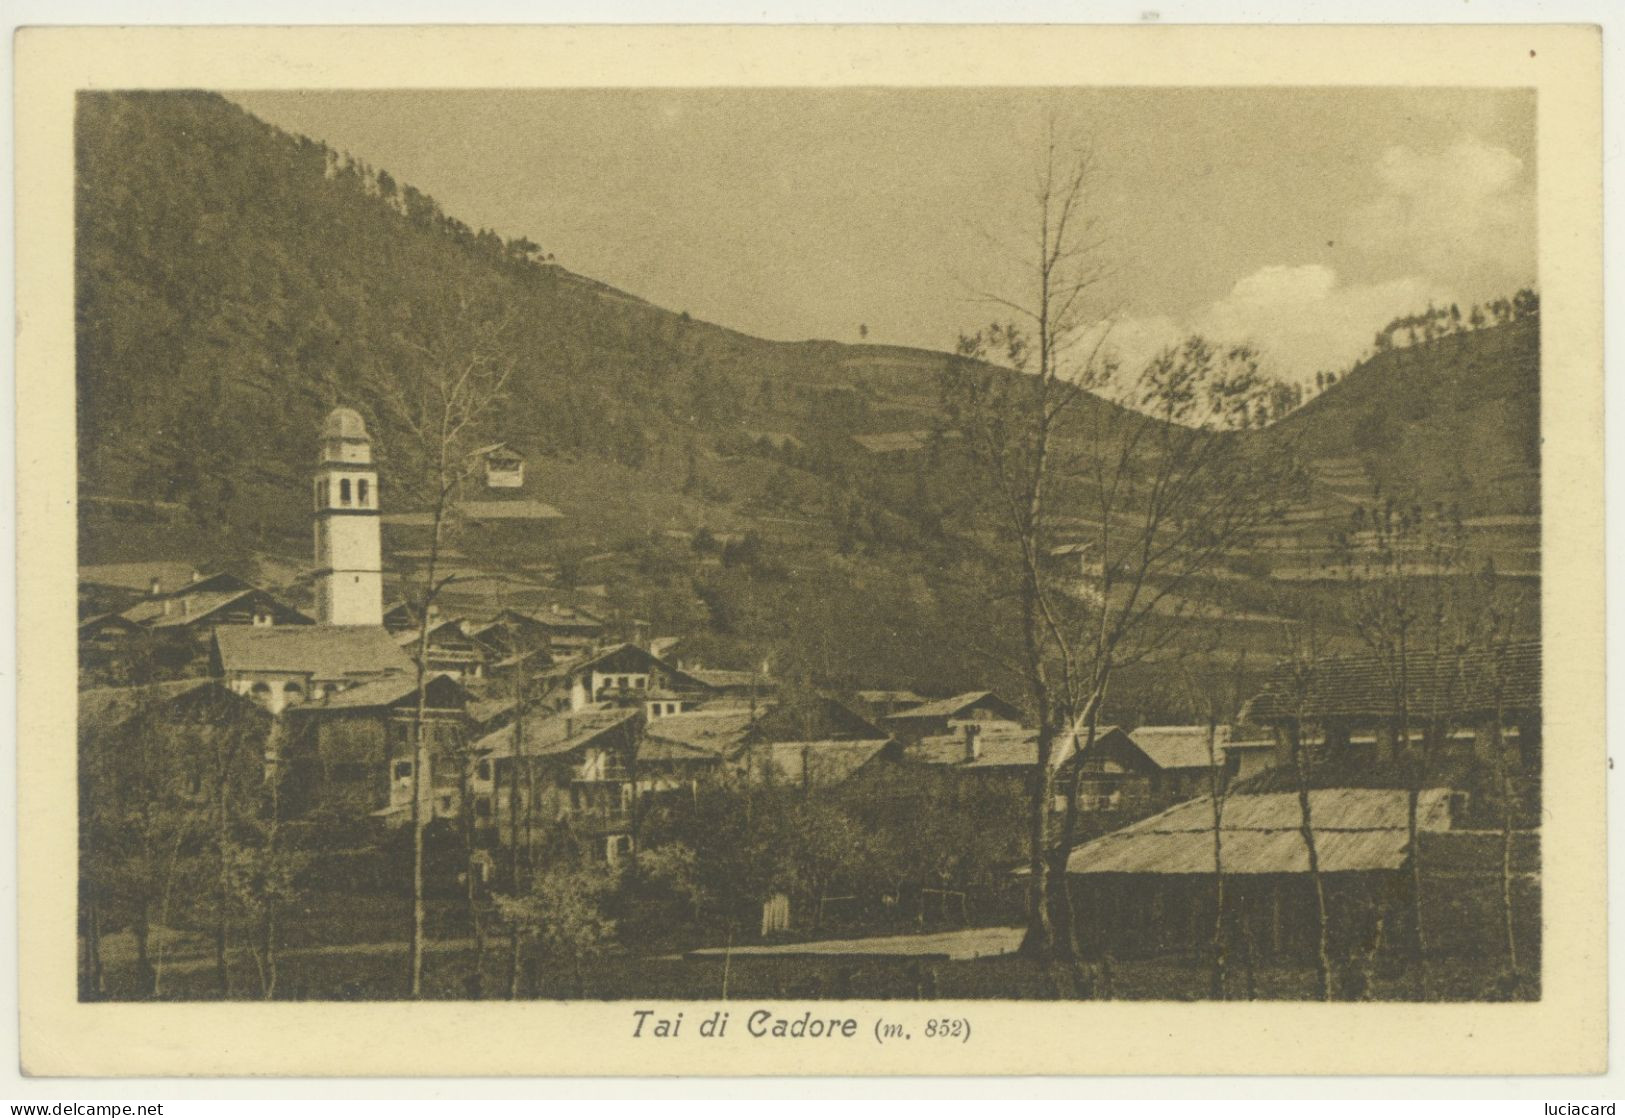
352 751
284 666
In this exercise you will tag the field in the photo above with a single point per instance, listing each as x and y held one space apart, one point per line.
376 972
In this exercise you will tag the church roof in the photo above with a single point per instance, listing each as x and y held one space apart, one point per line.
321 651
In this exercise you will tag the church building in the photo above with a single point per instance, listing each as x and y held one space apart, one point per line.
349 561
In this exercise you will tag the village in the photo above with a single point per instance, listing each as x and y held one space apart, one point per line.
546 738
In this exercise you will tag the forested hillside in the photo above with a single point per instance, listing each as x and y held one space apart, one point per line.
235 282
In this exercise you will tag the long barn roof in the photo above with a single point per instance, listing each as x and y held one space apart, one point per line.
1365 686
1355 829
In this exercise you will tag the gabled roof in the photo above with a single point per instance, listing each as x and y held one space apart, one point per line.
560 734
996 748
107 706
658 751
454 628
814 763
184 609
138 576
1362 686
641 656
723 678
947 708
322 651
490 709
877 697
557 617
1181 747
391 691
106 621
1354 828
718 730
497 450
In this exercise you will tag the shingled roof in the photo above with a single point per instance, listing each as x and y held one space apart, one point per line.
1181 747
105 706
560 734
321 651
443 689
1357 687
1355 829
185 610
947 708
718 730
996 748
812 763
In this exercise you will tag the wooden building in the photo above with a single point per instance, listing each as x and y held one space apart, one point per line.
504 466
571 773
352 750
945 716
1351 708
1150 887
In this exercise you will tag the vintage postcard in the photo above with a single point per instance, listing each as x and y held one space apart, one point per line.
811 551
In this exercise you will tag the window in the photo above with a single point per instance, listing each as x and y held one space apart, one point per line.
482 771
482 807
344 491
403 770
361 492
639 682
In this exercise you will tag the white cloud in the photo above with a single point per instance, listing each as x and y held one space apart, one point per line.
1458 212
1300 317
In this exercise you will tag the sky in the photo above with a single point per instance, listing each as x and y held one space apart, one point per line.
1299 220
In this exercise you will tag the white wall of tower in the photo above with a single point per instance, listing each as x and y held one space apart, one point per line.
348 555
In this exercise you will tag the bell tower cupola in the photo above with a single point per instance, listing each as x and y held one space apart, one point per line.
349 562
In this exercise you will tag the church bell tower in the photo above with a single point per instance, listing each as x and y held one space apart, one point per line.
349 562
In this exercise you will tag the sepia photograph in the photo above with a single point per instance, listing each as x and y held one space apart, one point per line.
809 544
809 562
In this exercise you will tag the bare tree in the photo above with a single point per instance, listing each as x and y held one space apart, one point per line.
1144 476
1501 619
453 378
1402 566
1218 703
1300 671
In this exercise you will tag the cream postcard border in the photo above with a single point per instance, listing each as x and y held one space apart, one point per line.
1564 1033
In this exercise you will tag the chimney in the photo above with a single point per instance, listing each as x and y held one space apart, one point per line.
196 577
155 587
973 745
165 607
186 607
